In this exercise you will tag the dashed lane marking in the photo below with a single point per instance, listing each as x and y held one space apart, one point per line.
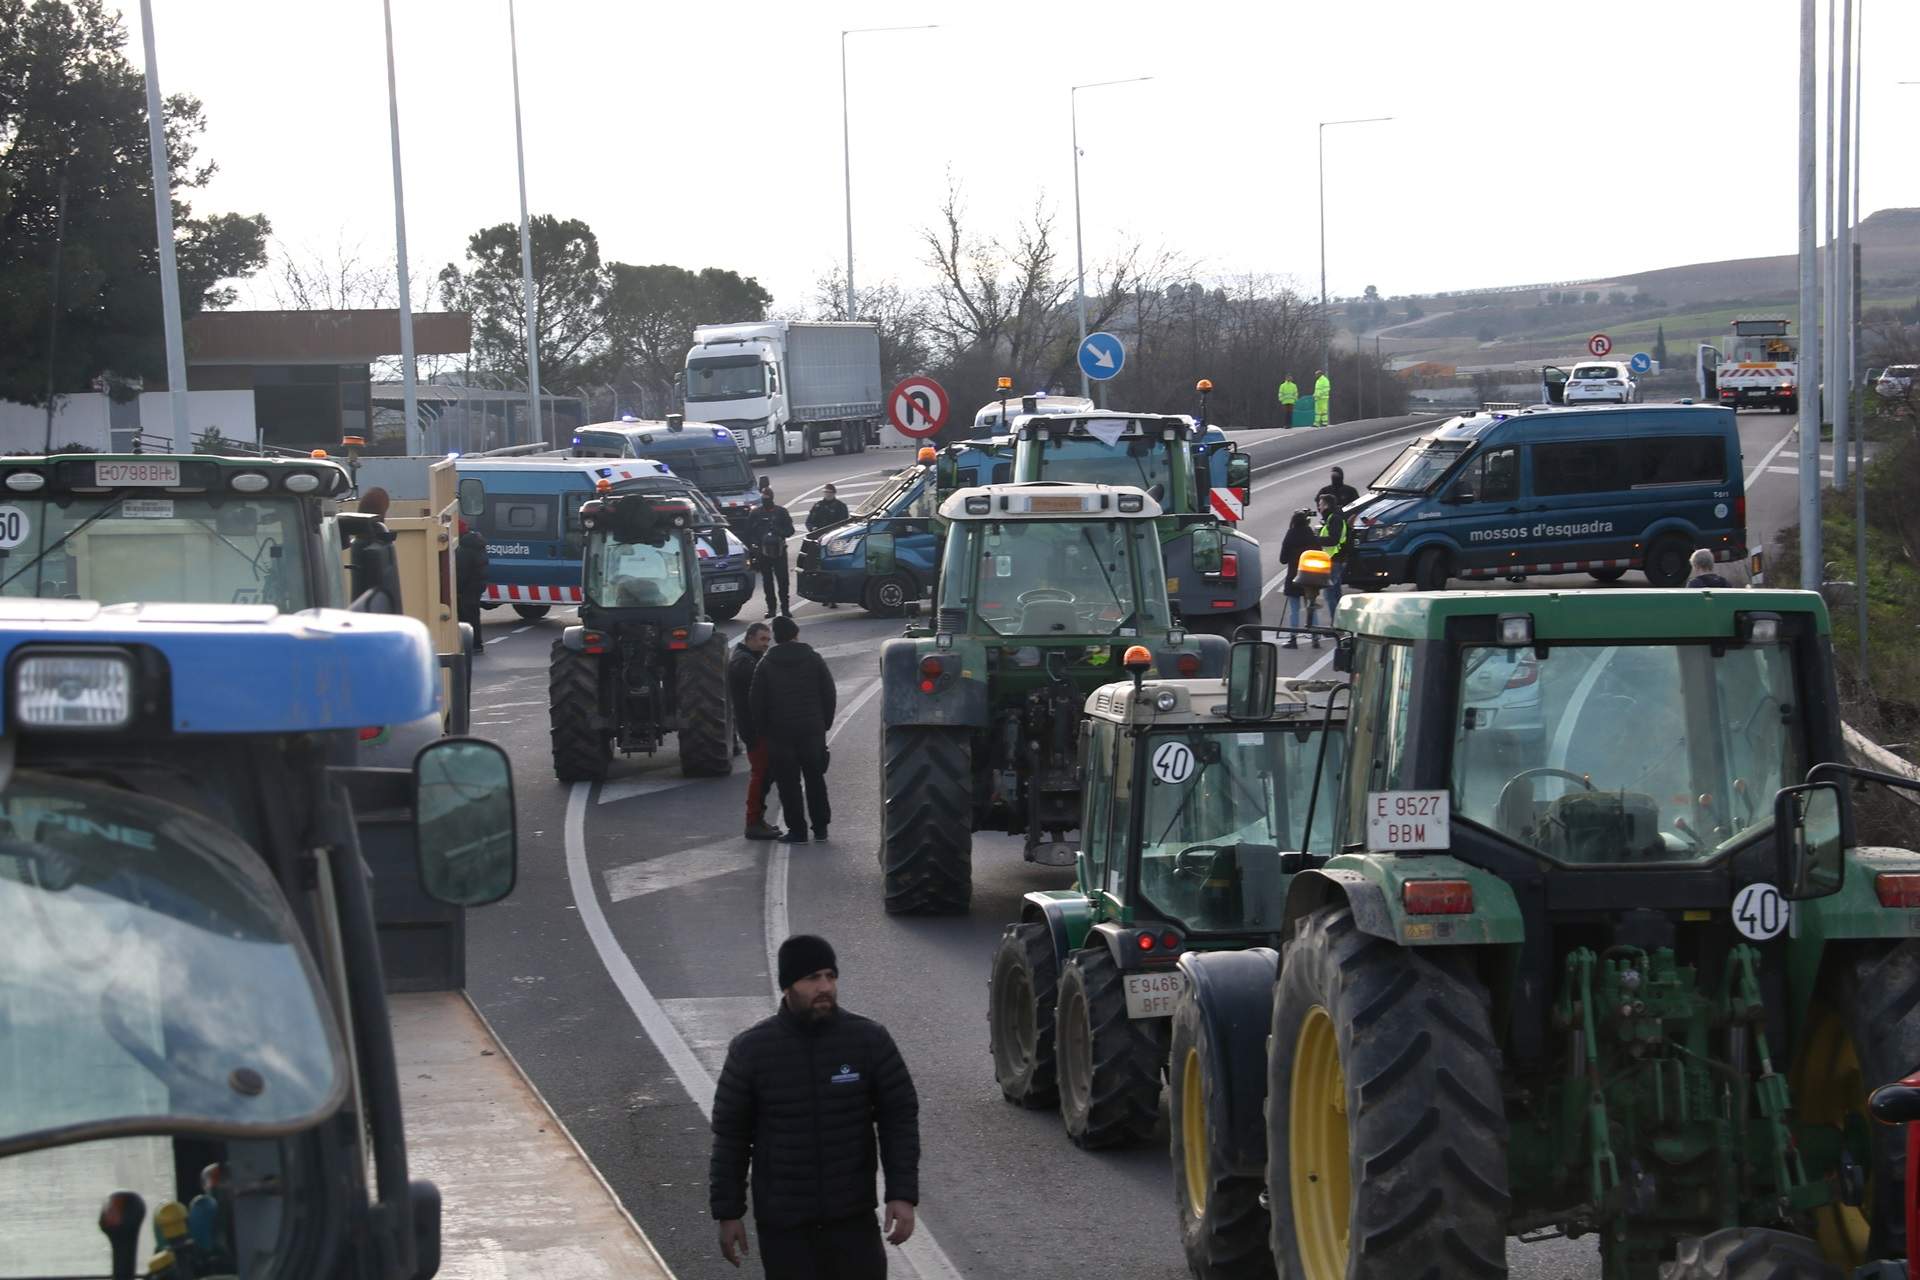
671 871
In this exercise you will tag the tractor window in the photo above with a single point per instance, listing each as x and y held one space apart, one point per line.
1219 810
1626 753
1142 463
1059 577
623 575
1378 724
1118 815
1097 769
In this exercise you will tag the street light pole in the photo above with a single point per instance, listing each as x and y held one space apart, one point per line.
528 302
1810 559
163 229
1840 372
410 430
846 145
1079 253
1326 349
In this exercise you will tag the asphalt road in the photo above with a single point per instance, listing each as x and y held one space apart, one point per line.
637 942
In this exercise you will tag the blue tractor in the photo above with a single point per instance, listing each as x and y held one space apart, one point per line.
194 1000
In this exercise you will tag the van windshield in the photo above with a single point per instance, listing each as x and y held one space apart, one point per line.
715 468
1420 467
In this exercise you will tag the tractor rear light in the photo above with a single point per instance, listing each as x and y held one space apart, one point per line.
677 638
1437 897
1145 942
371 732
927 686
1170 940
593 642
1897 890
930 666
1188 664
1230 565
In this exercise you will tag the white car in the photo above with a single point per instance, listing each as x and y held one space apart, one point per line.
1601 382
1896 380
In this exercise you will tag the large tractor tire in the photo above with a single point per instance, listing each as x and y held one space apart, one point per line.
1109 1067
1021 992
926 832
706 729
581 752
1863 1032
1223 1224
1386 1137
1749 1253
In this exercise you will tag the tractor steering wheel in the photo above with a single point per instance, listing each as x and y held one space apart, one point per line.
1196 869
1036 594
1544 771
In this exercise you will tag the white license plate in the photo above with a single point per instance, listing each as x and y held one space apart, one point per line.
120 474
1151 995
721 587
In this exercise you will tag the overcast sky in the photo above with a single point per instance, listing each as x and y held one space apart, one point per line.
1533 140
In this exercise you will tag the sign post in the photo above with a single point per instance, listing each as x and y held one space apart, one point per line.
918 407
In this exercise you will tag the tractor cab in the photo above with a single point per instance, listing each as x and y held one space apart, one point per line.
641 562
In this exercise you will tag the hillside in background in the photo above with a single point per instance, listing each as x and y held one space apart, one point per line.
1694 304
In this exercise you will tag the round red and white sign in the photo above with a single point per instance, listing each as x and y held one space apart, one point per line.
918 406
1599 344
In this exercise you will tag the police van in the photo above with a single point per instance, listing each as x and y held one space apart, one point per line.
706 455
1546 490
528 510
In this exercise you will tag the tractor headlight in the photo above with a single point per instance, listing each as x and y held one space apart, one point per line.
73 691
843 546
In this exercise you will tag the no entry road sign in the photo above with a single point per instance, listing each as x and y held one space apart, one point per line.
918 406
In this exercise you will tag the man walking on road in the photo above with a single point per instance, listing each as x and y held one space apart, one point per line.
800 1100
792 698
826 513
768 526
1337 488
1289 396
1322 397
740 669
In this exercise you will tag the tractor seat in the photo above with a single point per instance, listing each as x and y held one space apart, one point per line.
1044 616
637 593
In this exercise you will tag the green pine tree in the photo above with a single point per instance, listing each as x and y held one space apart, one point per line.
1660 345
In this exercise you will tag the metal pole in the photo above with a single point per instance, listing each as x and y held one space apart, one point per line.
53 307
1830 249
409 406
530 304
1810 561
846 161
1079 254
1860 436
163 229
1326 347
1840 372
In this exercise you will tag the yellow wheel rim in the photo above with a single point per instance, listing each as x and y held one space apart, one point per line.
1827 1088
1193 1132
1317 1150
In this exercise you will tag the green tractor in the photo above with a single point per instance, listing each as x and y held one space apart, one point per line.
644 661
1200 794
1041 589
1598 954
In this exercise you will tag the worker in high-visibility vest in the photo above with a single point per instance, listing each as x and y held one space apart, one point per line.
1322 397
1289 394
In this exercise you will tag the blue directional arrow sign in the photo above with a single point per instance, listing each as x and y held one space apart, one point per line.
1641 362
1101 356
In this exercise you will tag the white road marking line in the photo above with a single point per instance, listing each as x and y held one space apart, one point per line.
1771 454
502 706
1320 662
613 792
517 630
709 1023
881 472
1301 471
671 871
1826 473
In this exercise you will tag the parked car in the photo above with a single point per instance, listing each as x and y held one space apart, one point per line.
1601 382
1896 380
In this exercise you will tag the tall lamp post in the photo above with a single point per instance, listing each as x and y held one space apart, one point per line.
163 231
846 145
528 301
1326 350
1079 255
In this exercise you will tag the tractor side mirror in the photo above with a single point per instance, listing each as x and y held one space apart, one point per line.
1807 840
1252 667
1207 547
463 821
1343 655
1239 470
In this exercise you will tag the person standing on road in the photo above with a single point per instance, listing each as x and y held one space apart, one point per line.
1338 489
826 513
768 528
1704 574
370 562
801 1099
1300 537
1322 397
470 580
1289 396
1336 540
792 698
740 669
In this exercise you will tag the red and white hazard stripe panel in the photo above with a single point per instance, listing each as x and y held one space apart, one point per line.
1227 503
533 595
1555 566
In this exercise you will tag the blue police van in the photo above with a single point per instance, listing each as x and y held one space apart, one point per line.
707 455
886 553
1546 490
528 510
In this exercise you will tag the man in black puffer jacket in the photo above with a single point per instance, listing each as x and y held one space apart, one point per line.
792 699
800 1098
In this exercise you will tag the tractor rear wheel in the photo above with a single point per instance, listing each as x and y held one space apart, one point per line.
1864 1030
1021 991
581 752
1223 1225
1386 1135
926 834
1109 1066
706 731
1749 1253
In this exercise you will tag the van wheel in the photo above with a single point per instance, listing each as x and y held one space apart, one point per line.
1606 575
1666 563
887 597
531 612
1431 570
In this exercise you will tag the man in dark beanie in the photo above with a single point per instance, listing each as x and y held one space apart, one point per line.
800 1099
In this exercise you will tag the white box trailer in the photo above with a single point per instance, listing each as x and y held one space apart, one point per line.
787 387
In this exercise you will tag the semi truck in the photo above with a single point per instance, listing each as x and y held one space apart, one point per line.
1759 369
787 387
